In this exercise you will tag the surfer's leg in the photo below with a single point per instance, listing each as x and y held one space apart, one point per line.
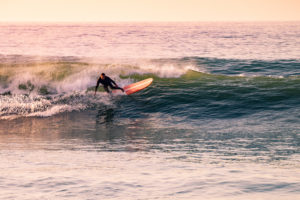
118 88
106 89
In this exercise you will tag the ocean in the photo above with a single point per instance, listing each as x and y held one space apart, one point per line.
221 119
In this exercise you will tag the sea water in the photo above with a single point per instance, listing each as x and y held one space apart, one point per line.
220 121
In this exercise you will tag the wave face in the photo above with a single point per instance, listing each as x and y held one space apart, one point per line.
190 88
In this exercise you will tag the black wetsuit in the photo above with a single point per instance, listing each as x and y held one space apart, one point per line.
107 82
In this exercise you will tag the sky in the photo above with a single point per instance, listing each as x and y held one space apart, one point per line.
148 10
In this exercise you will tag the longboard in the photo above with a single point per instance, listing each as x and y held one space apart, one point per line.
135 87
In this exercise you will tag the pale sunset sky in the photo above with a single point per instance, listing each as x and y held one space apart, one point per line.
148 10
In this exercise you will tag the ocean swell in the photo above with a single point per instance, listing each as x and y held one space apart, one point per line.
188 87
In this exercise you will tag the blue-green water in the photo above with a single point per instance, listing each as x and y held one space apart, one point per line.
214 124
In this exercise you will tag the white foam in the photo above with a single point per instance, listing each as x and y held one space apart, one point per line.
56 109
163 70
21 105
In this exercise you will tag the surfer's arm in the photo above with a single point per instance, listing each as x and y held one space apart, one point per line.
112 81
98 82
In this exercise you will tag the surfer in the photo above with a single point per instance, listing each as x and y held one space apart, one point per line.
106 81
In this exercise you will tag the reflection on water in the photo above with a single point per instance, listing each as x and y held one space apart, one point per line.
106 130
105 116
100 154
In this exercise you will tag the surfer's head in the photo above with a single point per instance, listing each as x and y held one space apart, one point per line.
102 76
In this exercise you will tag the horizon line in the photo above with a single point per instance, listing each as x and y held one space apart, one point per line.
148 21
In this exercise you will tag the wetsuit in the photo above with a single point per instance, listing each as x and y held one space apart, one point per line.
107 82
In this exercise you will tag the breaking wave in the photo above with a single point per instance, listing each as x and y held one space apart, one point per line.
43 87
